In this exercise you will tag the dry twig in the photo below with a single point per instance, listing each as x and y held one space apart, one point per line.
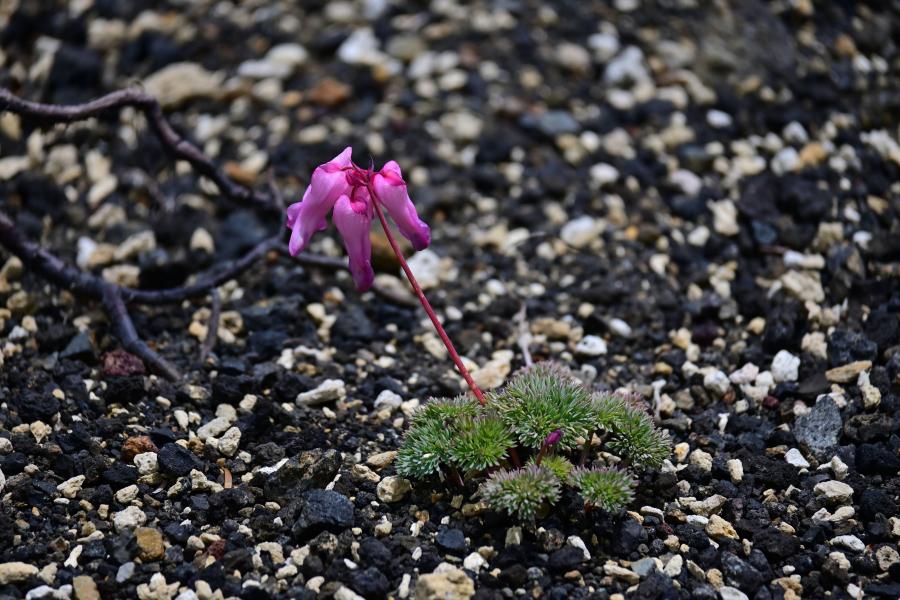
115 298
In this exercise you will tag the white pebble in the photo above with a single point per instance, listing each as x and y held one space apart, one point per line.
850 542
620 327
579 232
785 366
716 381
328 391
388 399
591 345
795 458
718 119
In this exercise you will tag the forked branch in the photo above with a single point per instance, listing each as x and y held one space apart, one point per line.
176 145
115 298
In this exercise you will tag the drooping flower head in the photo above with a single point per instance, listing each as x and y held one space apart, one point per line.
348 192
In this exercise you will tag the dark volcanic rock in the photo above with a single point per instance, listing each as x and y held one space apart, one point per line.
323 510
849 346
740 573
177 460
308 470
370 583
873 459
452 541
775 543
80 346
565 559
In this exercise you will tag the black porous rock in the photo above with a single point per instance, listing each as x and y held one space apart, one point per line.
177 460
323 510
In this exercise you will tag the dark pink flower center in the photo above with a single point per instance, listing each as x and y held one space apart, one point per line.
357 177
361 189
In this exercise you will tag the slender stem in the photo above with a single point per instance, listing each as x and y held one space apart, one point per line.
514 458
585 453
427 305
540 456
457 477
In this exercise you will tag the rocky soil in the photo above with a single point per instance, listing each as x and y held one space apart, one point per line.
697 201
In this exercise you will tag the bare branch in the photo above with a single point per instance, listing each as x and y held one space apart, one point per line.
176 145
116 298
125 331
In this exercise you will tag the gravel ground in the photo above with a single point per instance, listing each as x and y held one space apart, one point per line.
699 204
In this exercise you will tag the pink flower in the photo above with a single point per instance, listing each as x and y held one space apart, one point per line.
553 438
349 192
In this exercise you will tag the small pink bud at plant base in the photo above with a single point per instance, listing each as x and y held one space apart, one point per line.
349 193
553 438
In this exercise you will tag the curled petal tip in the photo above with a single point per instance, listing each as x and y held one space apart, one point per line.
363 277
293 211
422 237
296 243
393 194
344 158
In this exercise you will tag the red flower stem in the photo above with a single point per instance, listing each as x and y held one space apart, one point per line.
427 306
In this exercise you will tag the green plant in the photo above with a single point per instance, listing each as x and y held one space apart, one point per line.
554 421
543 399
557 464
483 442
607 488
522 491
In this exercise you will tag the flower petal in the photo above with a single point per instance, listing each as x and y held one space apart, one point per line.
342 160
353 221
306 217
392 192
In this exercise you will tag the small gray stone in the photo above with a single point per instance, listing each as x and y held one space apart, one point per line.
850 542
644 567
717 382
580 231
129 518
513 536
557 122
388 399
125 572
177 82
230 441
785 366
16 571
216 427
819 429
627 67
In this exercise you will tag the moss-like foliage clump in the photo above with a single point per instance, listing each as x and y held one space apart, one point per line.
546 420
607 488
522 491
